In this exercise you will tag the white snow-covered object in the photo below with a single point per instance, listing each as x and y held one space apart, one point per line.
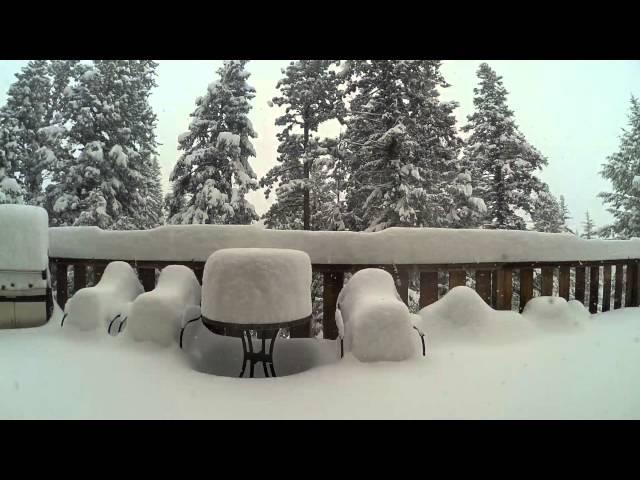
25 300
95 307
555 313
256 285
158 315
376 324
462 315
398 245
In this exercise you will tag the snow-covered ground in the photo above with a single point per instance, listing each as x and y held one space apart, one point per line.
590 371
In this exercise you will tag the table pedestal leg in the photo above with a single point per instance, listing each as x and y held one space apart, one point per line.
254 357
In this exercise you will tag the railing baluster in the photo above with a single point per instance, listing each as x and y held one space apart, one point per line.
606 288
504 288
617 297
547 281
428 288
483 285
564 282
332 282
594 287
457 278
580 283
61 284
632 288
79 276
526 286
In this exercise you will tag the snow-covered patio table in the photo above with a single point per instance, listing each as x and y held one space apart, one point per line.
274 286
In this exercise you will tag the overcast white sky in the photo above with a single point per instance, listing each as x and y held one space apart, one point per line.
572 111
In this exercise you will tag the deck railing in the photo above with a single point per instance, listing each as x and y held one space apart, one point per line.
494 282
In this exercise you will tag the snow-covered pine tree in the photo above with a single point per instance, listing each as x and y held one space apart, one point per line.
105 180
502 162
402 148
213 175
24 114
623 170
565 215
10 190
326 178
547 214
589 227
310 93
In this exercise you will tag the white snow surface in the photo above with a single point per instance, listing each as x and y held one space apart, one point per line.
24 238
377 324
585 374
158 315
95 307
392 246
256 285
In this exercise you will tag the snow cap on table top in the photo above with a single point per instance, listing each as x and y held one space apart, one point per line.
256 285
24 237
394 245
158 315
555 313
94 307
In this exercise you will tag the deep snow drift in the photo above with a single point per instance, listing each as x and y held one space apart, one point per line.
586 373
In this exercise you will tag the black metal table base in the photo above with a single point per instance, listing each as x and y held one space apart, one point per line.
253 357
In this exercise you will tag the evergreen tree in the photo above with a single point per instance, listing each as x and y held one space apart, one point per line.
623 170
106 179
402 148
23 116
548 215
326 178
10 190
589 227
310 94
565 215
502 162
213 175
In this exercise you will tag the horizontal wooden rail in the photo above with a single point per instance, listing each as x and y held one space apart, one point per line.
496 282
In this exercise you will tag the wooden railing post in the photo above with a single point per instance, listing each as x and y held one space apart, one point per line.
632 285
547 281
564 282
332 282
580 282
148 278
617 297
594 288
483 285
457 278
61 284
428 288
606 288
504 288
526 286
79 277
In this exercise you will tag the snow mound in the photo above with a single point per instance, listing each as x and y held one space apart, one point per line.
158 315
555 313
24 238
462 315
256 285
94 307
376 323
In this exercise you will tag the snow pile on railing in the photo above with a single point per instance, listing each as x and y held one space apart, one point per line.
391 246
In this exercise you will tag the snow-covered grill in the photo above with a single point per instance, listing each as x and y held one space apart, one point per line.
25 293
256 289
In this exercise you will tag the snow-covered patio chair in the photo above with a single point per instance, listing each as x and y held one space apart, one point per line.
256 289
158 315
105 302
373 320
26 299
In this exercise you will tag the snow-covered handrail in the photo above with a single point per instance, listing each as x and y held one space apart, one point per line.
399 246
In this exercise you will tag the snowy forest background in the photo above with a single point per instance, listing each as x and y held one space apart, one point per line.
79 139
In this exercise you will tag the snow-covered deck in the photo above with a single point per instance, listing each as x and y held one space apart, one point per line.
589 371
